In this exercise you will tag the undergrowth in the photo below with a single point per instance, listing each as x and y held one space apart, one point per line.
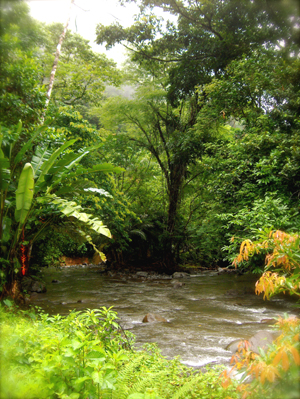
85 355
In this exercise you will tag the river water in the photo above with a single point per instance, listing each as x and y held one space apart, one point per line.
203 316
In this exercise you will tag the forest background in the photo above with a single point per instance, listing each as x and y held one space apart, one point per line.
203 154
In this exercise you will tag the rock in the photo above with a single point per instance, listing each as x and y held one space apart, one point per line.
165 277
142 274
30 285
180 275
232 292
55 281
234 345
38 286
270 322
177 284
152 318
259 340
26 283
248 291
220 270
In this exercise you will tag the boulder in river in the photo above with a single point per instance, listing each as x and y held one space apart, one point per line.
180 275
152 318
259 340
177 284
142 274
30 285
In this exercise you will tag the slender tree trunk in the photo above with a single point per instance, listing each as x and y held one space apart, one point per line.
57 54
177 173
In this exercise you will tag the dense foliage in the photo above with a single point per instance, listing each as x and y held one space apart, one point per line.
88 355
208 140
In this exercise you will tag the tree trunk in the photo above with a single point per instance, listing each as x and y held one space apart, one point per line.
57 54
177 173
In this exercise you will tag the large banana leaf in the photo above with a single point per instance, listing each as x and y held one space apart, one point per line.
24 193
40 156
71 209
103 167
62 167
49 163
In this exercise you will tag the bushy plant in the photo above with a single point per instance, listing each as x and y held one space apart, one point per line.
274 373
250 222
46 356
87 355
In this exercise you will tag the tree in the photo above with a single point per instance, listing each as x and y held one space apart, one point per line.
166 132
31 196
205 38
82 74
21 93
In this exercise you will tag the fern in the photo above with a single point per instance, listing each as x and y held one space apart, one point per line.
184 389
146 381
125 378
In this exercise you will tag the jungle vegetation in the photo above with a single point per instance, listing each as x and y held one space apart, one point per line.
199 166
206 147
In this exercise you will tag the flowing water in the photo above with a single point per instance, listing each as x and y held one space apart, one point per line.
204 315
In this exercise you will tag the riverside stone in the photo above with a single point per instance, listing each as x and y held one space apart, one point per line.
152 318
180 275
259 340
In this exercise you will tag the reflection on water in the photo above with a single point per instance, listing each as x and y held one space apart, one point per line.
204 315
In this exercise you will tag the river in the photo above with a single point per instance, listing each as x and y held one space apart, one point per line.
203 316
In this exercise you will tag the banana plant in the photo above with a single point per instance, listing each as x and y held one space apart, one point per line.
37 185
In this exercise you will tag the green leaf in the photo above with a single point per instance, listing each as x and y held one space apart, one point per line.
97 377
28 145
105 168
76 344
24 193
6 229
8 303
49 163
4 171
40 156
71 209
136 396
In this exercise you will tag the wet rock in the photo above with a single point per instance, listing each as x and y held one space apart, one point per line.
259 340
27 299
165 277
55 281
180 275
142 274
152 318
270 322
38 286
177 284
248 291
30 285
232 293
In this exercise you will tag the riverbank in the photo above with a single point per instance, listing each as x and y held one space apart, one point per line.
205 314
